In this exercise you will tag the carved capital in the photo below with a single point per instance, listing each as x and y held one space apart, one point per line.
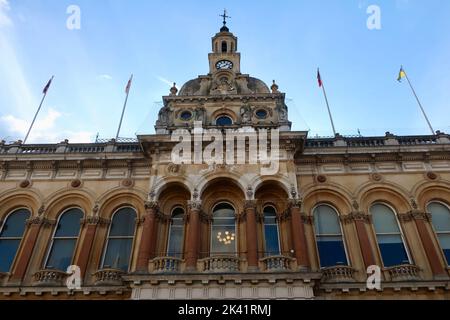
163 217
356 216
307 219
95 221
195 205
420 215
295 203
405 217
40 221
151 205
285 215
250 204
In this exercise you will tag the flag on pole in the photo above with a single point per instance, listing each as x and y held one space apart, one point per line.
47 86
401 75
127 89
319 78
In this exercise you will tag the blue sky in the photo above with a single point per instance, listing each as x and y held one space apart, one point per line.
165 41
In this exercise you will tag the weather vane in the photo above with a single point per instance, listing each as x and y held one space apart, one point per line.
224 16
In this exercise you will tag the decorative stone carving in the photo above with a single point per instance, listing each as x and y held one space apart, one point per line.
295 203
195 205
95 220
109 277
151 205
174 169
52 278
165 265
220 264
282 110
200 114
223 86
25 184
277 263
246 114
356 215
40 221
338 274
404 273
164 116
376 177
321 179
432 176
41 210
250 192
293 192
75 183
250 204
274 87
127 183
195 194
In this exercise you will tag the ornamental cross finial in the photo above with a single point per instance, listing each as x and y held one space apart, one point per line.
224 16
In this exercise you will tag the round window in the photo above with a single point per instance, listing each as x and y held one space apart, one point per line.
186 115
261 114
224 121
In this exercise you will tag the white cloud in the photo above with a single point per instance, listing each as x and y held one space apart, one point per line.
165 81
105 77
45 129
5 20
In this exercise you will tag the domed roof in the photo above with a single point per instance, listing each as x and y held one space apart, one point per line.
245 85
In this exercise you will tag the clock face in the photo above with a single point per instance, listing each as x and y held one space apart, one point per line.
224 65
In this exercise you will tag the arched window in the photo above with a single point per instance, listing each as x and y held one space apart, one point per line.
271 232
64 240
224 121
223 230
330 243
120 240
224 47
440 214
176 234
11 234
389 236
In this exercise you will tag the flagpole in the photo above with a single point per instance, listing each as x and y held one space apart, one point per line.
37 112
124 107
420 105
328 105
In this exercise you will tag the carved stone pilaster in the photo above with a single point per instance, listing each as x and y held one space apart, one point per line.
295 203
94 220
354 216
40 221
420 215
151 205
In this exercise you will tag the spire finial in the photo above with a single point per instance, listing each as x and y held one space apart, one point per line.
225 17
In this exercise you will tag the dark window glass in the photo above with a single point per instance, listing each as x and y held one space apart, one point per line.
65 240
10 237
271 232
389 237
186 115
224 46
261 114
440 214
176 233
329 239
120 240
223 230
224 121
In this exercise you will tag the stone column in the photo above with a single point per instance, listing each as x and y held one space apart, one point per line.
147 244
33 228
422 219
90 223
361 219
298 235
193 235
251 235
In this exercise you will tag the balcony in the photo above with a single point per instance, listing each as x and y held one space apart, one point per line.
405 272
220 264
338 274
277 264
50 278
165 265
109 277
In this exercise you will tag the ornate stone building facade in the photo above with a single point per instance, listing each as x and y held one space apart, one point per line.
139 226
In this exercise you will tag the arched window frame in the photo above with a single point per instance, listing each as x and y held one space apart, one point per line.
170 232
277 224
224 46
400 227
224 116
2 225
440 232
235 252
342 235
133 237
55 229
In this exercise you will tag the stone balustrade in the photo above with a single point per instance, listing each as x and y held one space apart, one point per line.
338 274
165 265
47 277
109 277
405 272
220 264
277 263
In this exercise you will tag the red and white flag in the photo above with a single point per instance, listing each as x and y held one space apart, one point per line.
127 89
319 79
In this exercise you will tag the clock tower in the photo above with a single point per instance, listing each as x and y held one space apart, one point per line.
224 57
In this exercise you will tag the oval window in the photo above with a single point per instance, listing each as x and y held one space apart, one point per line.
261 114
186 115
224 121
